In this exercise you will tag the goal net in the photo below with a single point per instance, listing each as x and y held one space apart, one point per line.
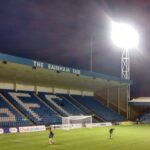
76 122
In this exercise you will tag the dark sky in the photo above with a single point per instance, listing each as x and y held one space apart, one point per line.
59 32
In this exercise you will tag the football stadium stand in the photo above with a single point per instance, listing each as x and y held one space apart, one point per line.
145 117
141 108
32 107
37 93
62 102
98 108
10 116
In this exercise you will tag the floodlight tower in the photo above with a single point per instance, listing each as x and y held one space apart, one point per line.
126 37
125 65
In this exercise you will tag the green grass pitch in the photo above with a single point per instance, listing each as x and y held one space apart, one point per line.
136 137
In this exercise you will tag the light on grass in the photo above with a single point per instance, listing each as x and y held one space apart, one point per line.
124 35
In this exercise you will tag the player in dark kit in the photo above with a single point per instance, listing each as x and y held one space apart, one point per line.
51 136
111 132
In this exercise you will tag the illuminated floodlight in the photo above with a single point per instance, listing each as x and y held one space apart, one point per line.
124 35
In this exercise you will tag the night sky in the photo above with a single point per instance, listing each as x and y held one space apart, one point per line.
60 31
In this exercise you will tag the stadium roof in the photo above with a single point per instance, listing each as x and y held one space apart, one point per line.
40 73
140 101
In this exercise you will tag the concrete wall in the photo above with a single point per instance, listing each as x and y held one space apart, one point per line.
44 89
115 98
5 85
25 87
37 88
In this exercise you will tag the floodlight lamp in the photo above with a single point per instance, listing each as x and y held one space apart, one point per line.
124 35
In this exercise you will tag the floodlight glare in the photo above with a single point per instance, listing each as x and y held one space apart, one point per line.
124 35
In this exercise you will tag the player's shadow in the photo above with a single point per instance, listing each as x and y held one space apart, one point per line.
53 145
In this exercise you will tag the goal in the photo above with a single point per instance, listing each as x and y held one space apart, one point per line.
76 122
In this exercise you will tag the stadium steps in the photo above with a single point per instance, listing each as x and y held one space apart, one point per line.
118 116
114 106
15 108
9 98
48 115
98 108
39 114
45 104
10 121
85 109
74 105
54 106
68 106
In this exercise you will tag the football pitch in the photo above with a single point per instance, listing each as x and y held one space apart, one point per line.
135 137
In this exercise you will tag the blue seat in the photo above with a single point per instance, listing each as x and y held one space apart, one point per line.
145 117
63 102
42 114
19 120
98 108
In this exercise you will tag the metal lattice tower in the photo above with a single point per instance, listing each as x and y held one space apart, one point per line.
125 73
125 65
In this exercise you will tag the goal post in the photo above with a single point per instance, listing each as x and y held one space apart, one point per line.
76 122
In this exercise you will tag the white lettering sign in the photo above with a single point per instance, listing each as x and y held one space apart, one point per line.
76 71
55 67
13 130
32 128
38 64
